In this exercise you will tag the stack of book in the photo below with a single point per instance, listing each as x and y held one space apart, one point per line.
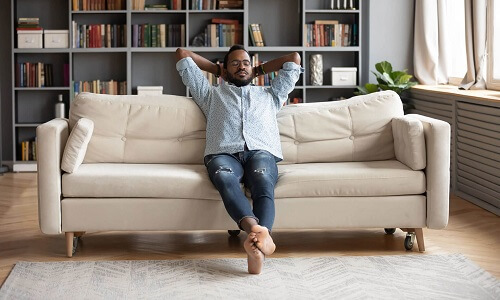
256 36
98 5
28 24
223 33
155 7
34 75
158 35
111 87
28 150
294 100
99 35
329 33
230 4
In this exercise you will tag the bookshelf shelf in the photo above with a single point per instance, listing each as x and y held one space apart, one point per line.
41 51
330 11
91 12
218 11
100 50
27 125
140 12
49 88
283 33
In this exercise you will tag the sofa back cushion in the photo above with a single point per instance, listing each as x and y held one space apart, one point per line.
356 129
141 129
171 129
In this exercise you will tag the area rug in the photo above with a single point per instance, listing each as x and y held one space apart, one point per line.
353 277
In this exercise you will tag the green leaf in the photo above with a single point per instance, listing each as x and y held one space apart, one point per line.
387 78
405 79
371 88
384 67
396 76
361 91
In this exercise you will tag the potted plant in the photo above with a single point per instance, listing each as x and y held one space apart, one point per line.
387 79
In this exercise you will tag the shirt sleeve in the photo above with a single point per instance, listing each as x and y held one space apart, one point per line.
284 83
192 76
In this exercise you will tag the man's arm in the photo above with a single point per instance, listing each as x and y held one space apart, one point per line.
200 61
277 63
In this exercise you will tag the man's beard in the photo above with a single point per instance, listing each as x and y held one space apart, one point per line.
238 82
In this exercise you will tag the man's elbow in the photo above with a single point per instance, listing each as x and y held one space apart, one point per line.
296 58
181 53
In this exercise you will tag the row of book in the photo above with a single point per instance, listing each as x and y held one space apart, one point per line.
111 87
36 74
222 35
158 35
99 35
330 34
256 36
216 4
85 5
263 80
28 150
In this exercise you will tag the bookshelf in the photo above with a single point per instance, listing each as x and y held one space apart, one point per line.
156 66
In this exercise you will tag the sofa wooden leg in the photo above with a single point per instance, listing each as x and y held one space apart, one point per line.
420 239
69 243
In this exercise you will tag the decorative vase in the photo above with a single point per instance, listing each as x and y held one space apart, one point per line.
316 63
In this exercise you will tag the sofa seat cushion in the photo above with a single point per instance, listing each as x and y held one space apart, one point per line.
374 178
140 180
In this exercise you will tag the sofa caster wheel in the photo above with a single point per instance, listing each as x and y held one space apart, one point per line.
390 230
234 232
409 240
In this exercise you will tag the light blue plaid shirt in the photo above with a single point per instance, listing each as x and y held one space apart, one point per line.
239 115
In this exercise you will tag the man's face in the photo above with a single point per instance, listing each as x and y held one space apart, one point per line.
239 68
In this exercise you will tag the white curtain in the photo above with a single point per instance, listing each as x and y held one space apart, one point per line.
475 45
430 60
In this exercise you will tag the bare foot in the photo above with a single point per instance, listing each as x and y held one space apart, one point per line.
255 257
263 239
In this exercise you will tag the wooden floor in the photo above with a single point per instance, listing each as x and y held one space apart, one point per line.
472 231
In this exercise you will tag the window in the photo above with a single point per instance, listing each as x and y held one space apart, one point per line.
455 11
493 58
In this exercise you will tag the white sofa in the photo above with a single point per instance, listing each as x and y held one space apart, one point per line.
357 163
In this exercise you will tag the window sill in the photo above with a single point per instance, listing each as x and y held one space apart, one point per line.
481 95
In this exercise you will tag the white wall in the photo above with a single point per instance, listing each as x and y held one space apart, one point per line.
388 32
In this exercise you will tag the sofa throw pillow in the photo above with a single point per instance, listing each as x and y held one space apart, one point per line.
75 149
409 142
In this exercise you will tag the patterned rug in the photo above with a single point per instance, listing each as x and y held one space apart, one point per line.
355 277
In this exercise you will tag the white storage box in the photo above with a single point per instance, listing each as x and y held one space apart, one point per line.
56 39
29 39
344 76
149 90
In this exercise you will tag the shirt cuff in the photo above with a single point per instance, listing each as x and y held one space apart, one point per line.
184 63
290 65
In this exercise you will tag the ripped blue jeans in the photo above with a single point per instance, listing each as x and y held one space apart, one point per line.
257 170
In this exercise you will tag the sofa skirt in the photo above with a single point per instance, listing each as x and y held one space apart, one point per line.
156 214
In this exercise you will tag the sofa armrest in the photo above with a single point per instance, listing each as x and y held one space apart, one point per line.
437 172
409 142
51 140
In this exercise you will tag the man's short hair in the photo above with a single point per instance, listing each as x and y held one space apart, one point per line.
233 48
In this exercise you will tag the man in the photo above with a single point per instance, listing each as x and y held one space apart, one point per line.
243 143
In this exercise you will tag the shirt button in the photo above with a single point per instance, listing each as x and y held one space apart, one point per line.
296 142
124 139
351 137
